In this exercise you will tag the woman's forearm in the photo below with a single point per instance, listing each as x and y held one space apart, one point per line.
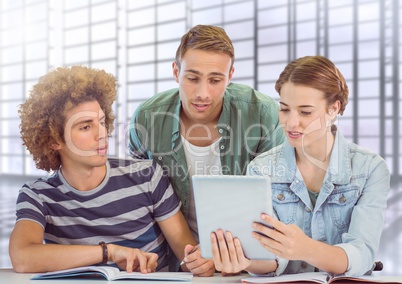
262 266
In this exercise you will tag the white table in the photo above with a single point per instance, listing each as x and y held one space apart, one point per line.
8 276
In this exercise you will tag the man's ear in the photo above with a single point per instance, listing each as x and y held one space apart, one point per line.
231 73
55 146
176 71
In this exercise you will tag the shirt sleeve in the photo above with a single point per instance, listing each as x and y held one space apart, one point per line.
166 203
252 170
274 135
361 242
30 207
138 137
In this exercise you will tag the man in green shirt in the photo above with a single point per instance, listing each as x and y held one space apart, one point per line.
207 125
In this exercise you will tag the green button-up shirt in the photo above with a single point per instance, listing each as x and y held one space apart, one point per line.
248 126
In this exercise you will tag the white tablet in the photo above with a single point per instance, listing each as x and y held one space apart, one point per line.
232 203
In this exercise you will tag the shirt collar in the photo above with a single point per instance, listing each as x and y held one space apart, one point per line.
224 119
176 119
339 169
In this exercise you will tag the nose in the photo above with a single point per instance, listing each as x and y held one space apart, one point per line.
100 131
202 91
293 120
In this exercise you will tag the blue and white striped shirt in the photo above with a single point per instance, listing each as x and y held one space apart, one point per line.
124 209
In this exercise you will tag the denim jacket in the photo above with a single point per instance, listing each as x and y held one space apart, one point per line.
350 207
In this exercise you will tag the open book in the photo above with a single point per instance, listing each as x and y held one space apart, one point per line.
113 273
322 278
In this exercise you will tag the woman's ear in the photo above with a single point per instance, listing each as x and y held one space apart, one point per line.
333 109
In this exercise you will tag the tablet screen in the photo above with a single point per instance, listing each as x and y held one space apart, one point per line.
232 203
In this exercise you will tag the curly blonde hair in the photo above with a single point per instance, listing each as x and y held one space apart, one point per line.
43 113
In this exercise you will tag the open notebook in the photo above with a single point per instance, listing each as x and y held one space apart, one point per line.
112 273
232 203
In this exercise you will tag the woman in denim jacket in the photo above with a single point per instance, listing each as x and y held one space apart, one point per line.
329 195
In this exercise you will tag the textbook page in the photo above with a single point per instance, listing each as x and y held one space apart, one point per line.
322 278
113 273
308 277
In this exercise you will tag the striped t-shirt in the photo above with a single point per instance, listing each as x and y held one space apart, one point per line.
124 209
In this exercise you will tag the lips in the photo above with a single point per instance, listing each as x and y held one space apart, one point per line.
200 106
102 150
294 134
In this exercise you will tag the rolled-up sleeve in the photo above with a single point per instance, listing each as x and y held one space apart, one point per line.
361 242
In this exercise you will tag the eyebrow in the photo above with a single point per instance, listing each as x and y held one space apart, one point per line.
88 120
210 74
301 106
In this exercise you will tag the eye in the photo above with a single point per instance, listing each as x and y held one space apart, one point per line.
215 81
306 113
192 79
284 109
103 123
85 127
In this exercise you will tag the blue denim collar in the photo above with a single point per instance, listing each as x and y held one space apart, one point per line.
339 170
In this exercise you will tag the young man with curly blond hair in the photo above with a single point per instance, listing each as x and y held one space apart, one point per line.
91 209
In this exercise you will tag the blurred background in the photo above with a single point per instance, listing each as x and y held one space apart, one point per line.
136 40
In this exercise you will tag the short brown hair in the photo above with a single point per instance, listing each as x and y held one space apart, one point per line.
205 37
43 113
317 72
